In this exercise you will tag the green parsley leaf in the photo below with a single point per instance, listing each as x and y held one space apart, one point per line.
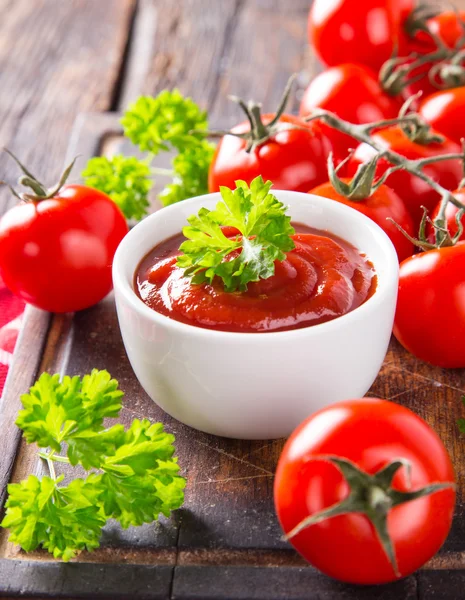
55 411
141 479
164 122
63 520
138 476
265 236
190 173
126 180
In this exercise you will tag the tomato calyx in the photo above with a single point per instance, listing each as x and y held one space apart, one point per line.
446 65
372 496
40 191
362 185
259 132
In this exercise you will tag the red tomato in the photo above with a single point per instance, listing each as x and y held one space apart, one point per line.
446 25
419 83
57 254
353 93
371 433
360 31
379 206
292 160
414 192
451 215
445 112
430 314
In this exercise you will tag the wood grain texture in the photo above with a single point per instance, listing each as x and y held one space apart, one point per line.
56 59
185 45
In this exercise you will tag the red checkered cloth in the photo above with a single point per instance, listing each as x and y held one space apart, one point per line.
11 314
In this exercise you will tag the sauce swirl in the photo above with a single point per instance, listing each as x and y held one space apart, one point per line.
323 278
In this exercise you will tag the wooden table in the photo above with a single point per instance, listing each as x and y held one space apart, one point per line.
58 59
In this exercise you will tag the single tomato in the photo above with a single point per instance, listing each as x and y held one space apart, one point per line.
292 158
414 192
445 112
447 25
430 314
374 441
382 205
57 253
353 93
360 31
451 216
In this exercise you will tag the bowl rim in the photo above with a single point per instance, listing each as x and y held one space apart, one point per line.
121 285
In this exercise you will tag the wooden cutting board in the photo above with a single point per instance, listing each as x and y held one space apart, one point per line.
225 542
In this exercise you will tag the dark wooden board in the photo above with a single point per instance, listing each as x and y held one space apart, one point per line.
225 542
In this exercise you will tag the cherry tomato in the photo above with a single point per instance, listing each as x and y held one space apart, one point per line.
381 205
448 26
451 216
419 82
353 93
292 159
359 31
414 192
371 433
57 254
445 112
430 315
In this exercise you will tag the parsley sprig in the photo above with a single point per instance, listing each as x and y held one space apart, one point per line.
264 236
136 477
126 179
167 122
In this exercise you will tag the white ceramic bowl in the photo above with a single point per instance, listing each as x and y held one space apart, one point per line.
256 385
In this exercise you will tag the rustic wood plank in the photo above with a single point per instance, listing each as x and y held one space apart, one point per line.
56 59
441 585
84 581
181 44
252 583
268 44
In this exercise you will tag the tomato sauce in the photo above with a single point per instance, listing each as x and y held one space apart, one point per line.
323 278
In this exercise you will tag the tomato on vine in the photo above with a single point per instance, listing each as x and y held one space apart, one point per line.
382 206
429 320
364 490
414 192
57 245
279 147
445 112
359 31
353 93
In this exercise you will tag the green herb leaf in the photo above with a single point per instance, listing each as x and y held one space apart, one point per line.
138 476
265 236
164 122
63 520
55 411
141 479
190 169
126 180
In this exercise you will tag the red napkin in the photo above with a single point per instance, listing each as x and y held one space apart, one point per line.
11 314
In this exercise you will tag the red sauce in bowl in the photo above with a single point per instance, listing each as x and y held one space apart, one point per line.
323 278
